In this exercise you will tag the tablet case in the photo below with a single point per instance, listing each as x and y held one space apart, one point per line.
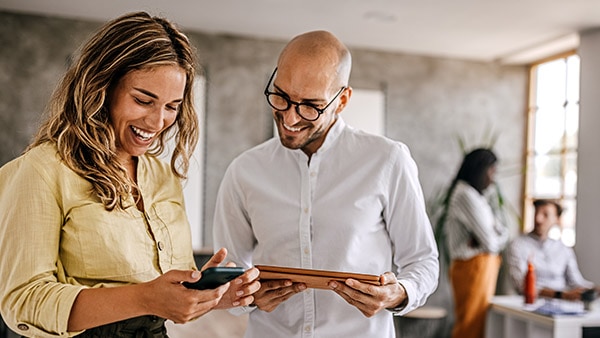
316 279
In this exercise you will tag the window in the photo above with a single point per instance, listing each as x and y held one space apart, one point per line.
553 123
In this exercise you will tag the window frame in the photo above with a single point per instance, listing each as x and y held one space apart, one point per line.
530 153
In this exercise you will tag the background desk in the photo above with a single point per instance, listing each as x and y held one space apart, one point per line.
507 319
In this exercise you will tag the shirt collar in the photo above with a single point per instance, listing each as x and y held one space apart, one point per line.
537 237
334 132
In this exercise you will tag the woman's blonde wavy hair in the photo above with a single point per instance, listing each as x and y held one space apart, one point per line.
78 120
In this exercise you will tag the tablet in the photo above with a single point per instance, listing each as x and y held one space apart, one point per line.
316 279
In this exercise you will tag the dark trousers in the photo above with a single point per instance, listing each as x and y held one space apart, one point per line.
139 327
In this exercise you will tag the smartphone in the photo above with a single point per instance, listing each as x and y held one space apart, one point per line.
214 277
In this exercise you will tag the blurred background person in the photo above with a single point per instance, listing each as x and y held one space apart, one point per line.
475 237
556 269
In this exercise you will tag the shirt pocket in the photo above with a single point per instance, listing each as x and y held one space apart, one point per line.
107 245
176 229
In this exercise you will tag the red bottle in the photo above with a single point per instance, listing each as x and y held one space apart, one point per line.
529 286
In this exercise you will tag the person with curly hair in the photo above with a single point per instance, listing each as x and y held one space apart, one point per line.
93 228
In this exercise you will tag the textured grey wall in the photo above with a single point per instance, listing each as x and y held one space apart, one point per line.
34 54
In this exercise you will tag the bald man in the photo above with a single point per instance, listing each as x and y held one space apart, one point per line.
322 195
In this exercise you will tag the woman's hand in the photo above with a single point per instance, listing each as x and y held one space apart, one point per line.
240 289
166 297
169 299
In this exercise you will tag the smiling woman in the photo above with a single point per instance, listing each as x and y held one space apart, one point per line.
142 105
107 246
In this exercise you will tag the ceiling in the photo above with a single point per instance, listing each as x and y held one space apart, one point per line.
506 31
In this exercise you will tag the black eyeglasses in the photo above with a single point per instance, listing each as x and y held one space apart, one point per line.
306 111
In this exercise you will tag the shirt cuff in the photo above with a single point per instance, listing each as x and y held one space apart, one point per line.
399 310
409 305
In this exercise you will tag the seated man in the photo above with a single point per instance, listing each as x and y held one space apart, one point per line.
556 270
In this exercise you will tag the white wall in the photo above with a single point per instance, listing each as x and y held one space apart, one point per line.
193 186
588 185
366 111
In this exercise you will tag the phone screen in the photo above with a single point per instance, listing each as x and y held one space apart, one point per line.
214 277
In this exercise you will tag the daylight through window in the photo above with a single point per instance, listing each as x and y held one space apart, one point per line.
553 120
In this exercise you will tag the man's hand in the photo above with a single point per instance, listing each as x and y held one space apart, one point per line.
573 294
370 299
274 292
241 290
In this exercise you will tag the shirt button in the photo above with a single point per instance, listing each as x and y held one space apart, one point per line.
306 210
306 251
23 327
313 174
307 328
160 245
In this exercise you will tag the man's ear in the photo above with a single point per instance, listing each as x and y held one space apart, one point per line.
344 99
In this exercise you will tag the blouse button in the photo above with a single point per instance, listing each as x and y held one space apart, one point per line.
23 327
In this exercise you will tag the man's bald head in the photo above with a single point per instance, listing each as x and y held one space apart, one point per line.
321 50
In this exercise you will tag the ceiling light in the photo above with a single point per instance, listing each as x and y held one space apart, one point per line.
380 17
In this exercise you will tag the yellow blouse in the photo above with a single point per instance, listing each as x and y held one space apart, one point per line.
56 238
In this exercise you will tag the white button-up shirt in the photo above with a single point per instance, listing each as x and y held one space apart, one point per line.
357 207
470 217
